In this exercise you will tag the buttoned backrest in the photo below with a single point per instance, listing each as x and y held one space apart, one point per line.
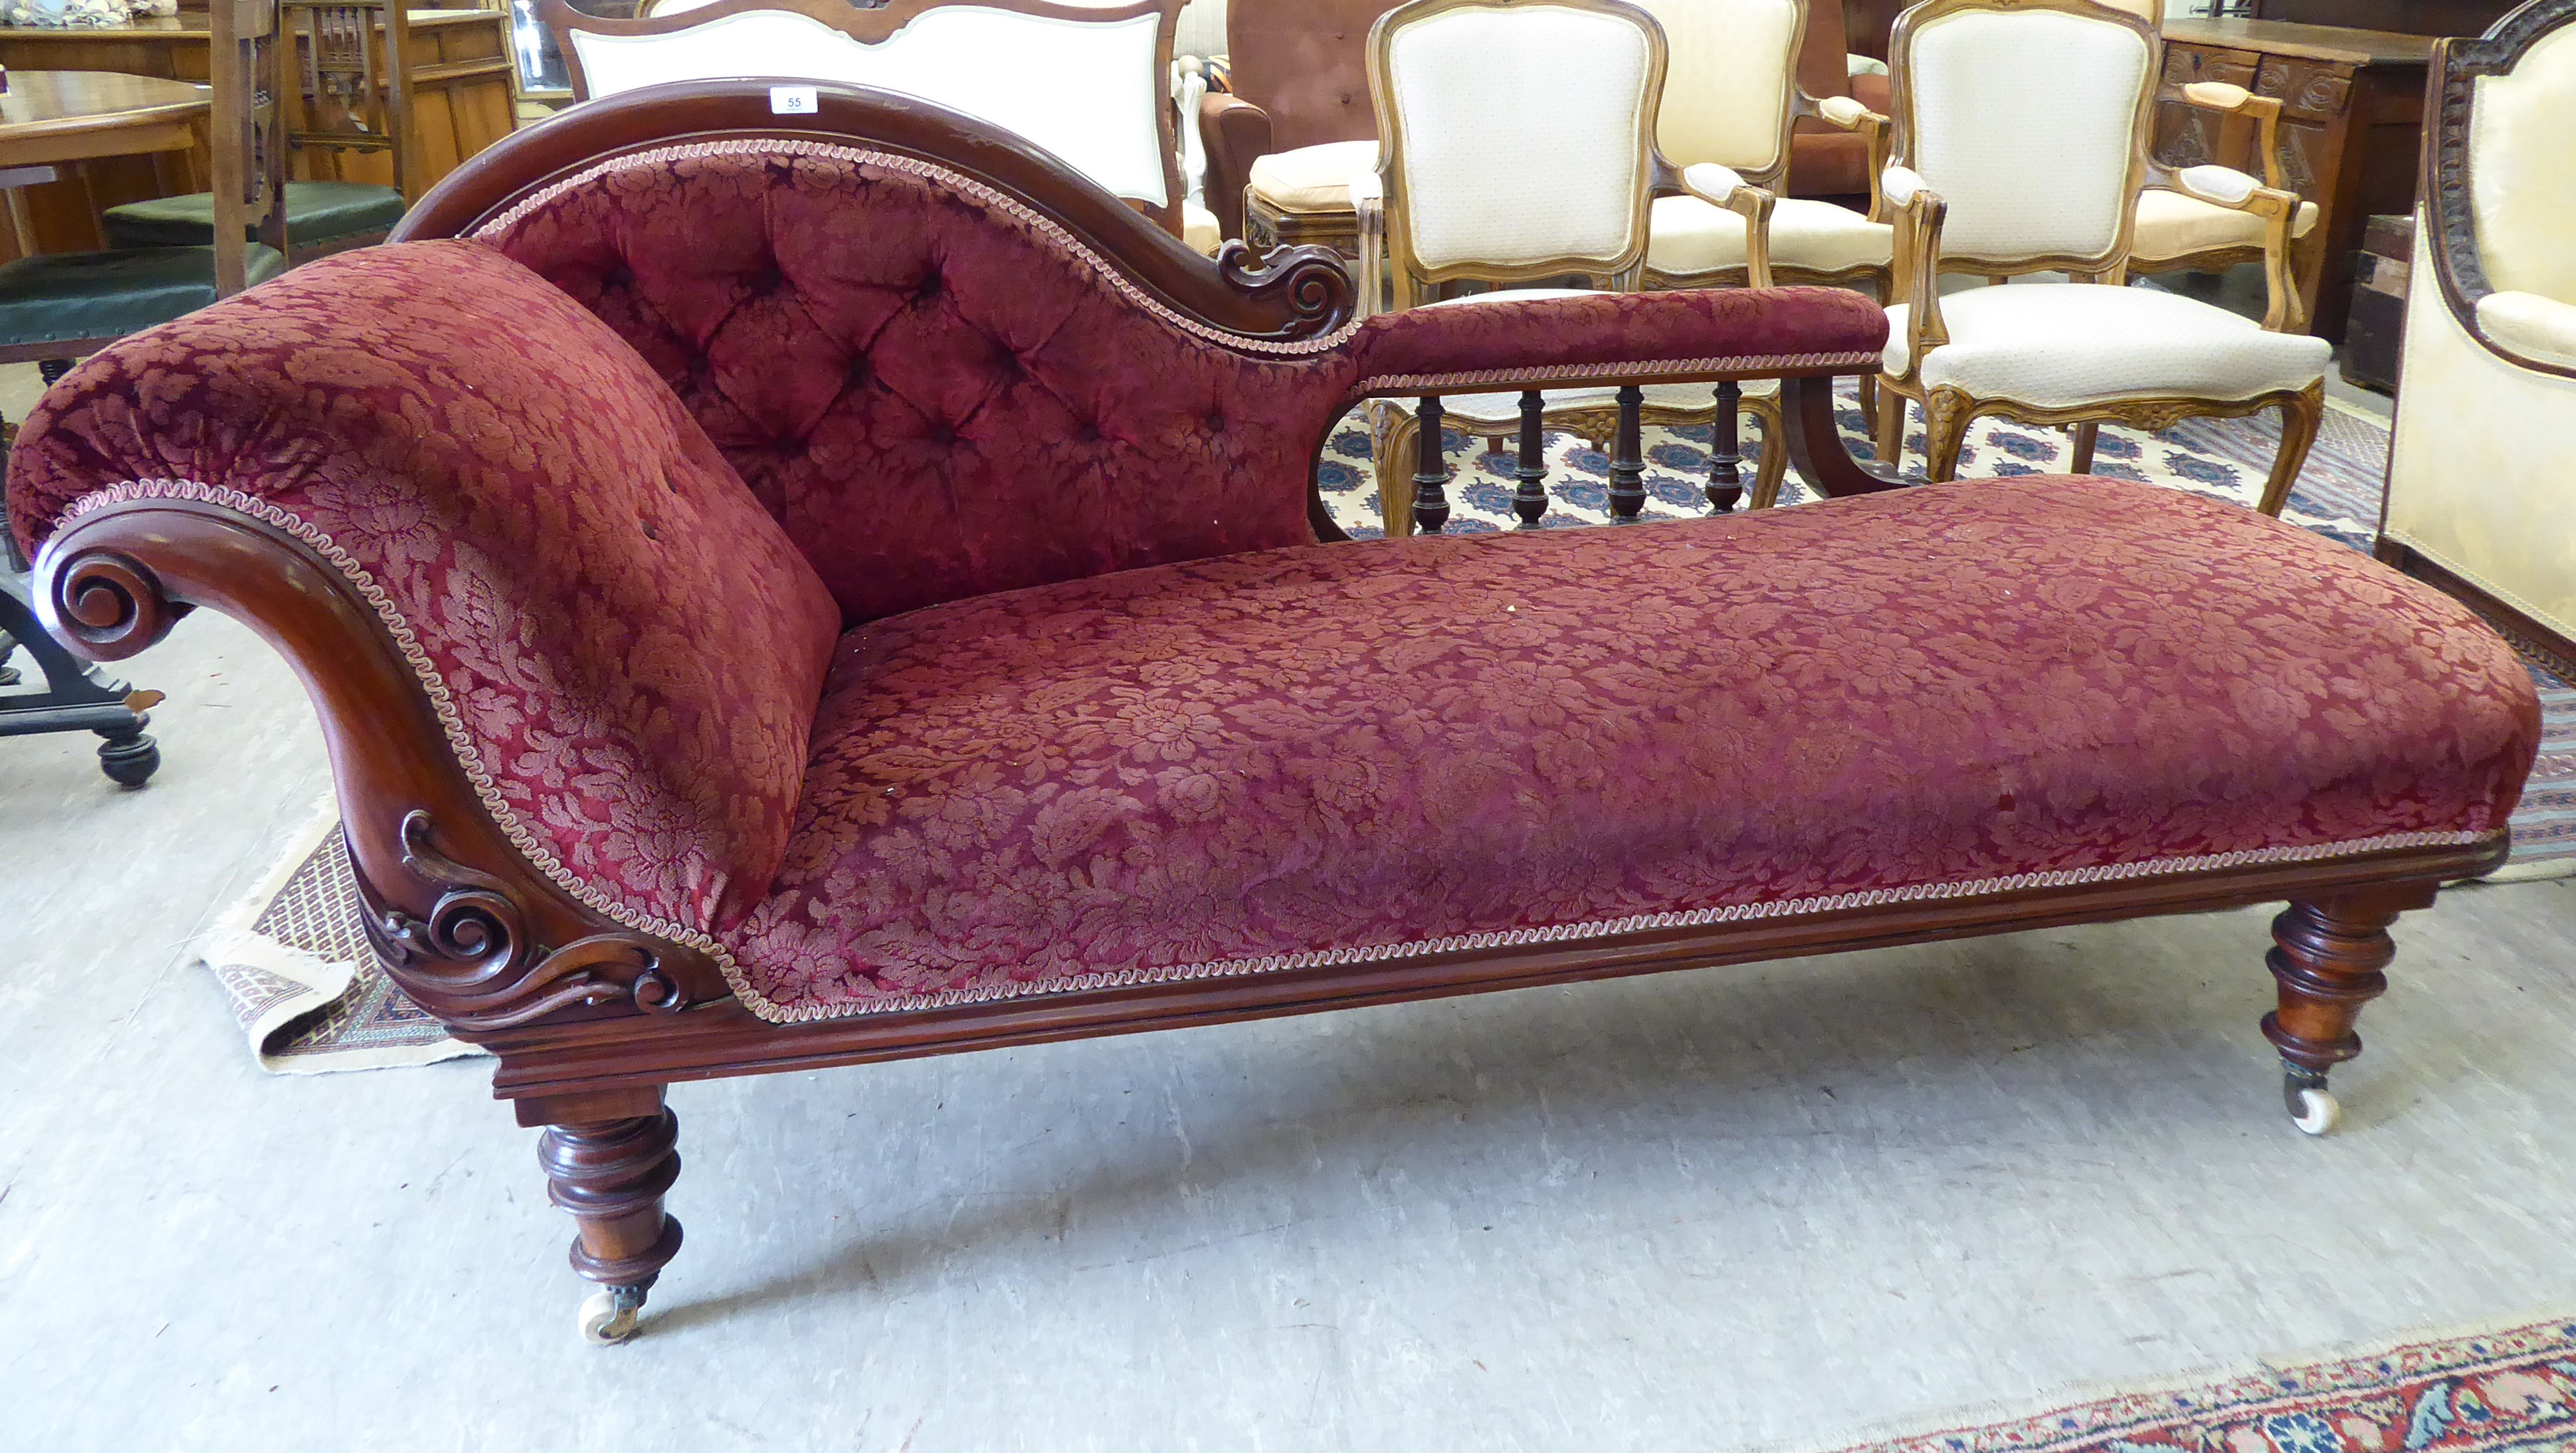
2521 189
1727 83
1519 133
938 391
2027 120
1090 89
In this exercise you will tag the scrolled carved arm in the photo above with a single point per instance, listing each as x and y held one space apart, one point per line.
2234 100
2227 187
1719 186
1845 113
535 612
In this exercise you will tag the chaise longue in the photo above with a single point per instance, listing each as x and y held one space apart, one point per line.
797 590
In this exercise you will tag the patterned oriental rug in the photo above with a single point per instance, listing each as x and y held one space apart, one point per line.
311 998
2504 1392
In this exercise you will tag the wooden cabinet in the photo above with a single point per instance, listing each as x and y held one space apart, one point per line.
2352 123
461 102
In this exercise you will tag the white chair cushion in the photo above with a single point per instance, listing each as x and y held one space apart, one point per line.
1201 230
1690 236
2172 225
1501 412
2065 345
1311 178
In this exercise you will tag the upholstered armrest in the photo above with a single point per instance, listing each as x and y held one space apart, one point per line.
2227 187
2234 100
426 457
2537 328
1235 133
1719 186
1917 212
1847 113
1593 337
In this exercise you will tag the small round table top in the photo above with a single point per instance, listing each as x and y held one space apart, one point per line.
41 103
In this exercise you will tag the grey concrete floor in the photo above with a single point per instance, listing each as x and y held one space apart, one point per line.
1711 1209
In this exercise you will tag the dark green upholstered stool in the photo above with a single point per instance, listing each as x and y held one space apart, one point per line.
321 217
89 297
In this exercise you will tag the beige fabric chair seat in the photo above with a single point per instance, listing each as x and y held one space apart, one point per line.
1501 412
2065 345
1687 236
1200 229
2172 224
1311 178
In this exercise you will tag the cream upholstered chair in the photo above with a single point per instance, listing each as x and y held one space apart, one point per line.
2178 232
1484 107
1732 97
2021 147
1087 79
2480 498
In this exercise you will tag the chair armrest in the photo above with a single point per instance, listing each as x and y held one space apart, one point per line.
1917 212
614 650
1847 113
1235 133
2227 187
2234 100
1368 204
1719 186
2532 326
1690 333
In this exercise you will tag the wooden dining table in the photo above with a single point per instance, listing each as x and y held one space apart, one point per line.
52 120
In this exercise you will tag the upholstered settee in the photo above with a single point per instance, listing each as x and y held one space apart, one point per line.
784 592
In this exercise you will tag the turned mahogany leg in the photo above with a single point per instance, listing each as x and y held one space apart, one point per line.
2327 955
611 1175
1725 456
2087 434
1529 501
1628 458
1430 473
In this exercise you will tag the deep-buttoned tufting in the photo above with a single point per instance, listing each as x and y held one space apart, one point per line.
934 396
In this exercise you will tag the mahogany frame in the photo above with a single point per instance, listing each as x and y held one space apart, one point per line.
873 25
590 1020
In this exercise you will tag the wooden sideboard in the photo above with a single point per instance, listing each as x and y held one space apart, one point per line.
461 102
2352 125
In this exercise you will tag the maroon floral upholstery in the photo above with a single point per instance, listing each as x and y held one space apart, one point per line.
627 648
1308 754
940 394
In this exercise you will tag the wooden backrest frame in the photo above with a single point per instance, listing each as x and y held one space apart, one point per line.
2449 205
876 26
386 68
1415 283
248 134
2111 265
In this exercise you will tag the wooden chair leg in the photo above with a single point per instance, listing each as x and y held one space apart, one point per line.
2300 416
1867 388
1945 431
1725 450
1890 434
2327 955
1529 499
1430 470
611 1174
1391 449
1628 458
1771 470
2087 434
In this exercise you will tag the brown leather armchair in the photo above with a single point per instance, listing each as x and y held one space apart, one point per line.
1300 79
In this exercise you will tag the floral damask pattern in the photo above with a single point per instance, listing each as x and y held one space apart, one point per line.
633 648
1336 747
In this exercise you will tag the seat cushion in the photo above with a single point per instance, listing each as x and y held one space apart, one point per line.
317 214
1501 411
2065 345
2172 225
1340 752
68 296
1690 236
1311 178
1201 230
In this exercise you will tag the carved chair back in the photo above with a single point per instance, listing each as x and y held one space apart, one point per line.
350 62
250 141
1086 81
1518 139
1729 96
2031 119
